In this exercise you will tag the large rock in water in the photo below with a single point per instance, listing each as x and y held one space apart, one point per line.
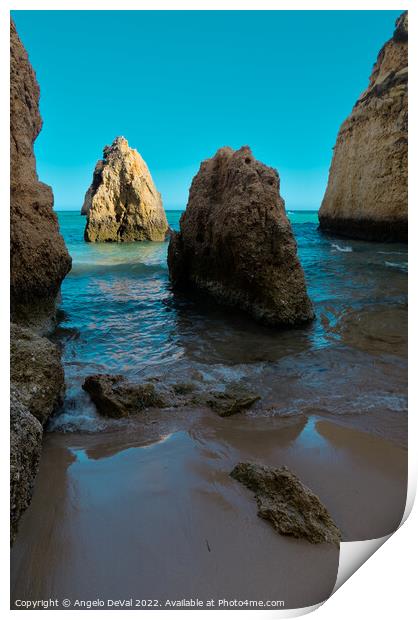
291 508
38 259
236 243
122 202
367 192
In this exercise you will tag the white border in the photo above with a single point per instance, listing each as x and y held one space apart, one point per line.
385 586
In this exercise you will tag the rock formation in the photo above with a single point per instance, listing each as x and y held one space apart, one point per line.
25 452
122 202
291 508
36 372
231 401
367 192
115 397
39 258
236 243
39 262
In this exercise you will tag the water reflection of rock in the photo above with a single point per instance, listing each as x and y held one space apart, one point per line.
209 334
256 438
377 329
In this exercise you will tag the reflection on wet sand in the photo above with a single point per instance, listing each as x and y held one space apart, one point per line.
166 515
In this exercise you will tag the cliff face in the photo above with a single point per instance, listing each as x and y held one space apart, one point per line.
39 258
39 262
367 192
122 202
236 243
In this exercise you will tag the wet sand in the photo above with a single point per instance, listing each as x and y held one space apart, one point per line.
150 511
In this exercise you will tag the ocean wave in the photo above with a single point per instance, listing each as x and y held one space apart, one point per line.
391 252
85 268
71 422
342 248
403 266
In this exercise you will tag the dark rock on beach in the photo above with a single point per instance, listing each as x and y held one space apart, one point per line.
231 402
115 397
25 452
291 508
236 243
367 192
122 202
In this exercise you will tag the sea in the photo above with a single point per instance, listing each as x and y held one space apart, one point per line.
145 508
119 314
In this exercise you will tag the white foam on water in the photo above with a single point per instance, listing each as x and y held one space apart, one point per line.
403 266
344 248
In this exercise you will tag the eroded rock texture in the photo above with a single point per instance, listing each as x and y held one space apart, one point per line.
25 452
39 258
36 372
367 192
115 397
122 202
291 508
236 243
39 262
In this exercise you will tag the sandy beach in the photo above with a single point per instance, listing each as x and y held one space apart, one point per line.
163 512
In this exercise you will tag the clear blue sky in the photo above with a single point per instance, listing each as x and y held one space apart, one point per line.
179 85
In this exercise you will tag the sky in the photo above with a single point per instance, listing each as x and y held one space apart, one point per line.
181 84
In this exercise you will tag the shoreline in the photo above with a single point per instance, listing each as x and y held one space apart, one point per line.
77 522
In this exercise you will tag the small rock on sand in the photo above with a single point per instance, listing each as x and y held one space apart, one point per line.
291 508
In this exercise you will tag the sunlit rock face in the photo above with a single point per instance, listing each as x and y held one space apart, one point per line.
122 202
367 192
236 243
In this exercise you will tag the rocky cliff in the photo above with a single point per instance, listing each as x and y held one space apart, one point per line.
236 243
367 192
122 202
39 262
39 258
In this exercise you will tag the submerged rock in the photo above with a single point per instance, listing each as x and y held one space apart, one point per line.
25 452
36 372
367 192
122 202
236 243
231 402
291 508
38 257
115 397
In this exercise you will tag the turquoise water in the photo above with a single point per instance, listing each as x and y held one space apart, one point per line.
118 314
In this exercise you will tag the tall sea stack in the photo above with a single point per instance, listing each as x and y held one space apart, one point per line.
122 202
39 262
236 243
367 192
